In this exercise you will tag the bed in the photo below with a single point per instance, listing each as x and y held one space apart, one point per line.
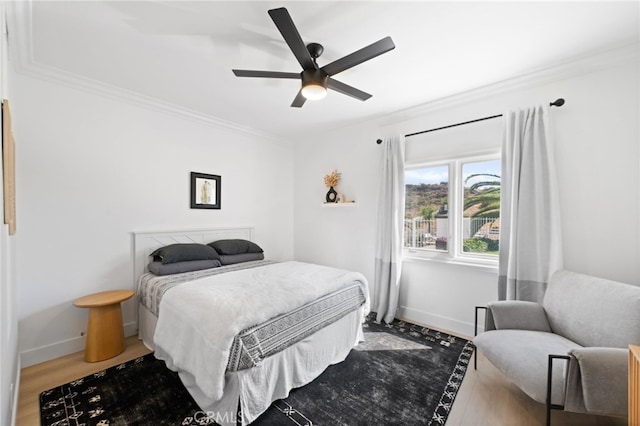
243 335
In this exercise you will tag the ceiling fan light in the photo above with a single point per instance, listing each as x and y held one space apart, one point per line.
314 91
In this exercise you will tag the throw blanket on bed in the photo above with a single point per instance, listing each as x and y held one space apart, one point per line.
256 343
199 320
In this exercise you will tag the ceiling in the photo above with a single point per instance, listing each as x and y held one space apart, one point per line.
181 53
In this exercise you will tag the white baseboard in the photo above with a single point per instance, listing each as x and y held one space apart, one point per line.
445 324
65 347
131 329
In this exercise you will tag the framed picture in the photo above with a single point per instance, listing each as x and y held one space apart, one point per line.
205 191
8 169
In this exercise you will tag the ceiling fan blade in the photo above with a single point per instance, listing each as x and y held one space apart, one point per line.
289 32
345 89
359 56
266 74
299 100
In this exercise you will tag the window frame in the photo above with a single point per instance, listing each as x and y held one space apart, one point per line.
454 253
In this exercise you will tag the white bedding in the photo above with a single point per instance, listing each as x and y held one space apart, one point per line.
198 320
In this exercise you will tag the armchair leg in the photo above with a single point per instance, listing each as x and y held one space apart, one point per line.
475 333
549 405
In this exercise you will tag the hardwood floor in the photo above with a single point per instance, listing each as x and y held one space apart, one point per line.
40 377
486 397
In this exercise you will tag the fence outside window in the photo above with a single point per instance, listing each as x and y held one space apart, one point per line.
423 233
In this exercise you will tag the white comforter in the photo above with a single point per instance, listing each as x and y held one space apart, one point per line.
198 320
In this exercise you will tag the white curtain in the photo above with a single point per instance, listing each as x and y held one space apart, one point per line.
530 237
390 227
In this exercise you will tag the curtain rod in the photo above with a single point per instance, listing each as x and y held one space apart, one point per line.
558 103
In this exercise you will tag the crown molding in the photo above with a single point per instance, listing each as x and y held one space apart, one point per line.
571 68
20 26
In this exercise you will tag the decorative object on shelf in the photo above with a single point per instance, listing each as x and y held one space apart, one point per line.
331 180
332 195
205 191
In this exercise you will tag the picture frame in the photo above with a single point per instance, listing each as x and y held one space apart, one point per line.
205 191
8 169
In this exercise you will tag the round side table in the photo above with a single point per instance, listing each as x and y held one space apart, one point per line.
105 334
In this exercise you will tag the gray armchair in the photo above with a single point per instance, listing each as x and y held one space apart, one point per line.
571 351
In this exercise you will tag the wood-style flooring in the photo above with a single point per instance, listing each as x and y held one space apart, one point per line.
485 398
40 377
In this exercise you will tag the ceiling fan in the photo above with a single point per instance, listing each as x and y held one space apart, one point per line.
315 79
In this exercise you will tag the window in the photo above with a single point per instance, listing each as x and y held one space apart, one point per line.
481 207
426 223
452 208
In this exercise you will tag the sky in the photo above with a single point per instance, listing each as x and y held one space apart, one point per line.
437 174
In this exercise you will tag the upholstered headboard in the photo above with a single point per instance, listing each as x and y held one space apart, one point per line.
144 243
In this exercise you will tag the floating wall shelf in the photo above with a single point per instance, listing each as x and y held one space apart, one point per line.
347 204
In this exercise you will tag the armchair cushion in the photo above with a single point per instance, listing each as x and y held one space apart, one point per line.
519 315
597 380
522 355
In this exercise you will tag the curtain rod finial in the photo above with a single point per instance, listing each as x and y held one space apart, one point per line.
379 141
558 102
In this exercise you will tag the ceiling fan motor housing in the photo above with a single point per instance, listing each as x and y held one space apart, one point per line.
317 77
314 84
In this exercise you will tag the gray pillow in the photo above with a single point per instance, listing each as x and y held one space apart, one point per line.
181 252
160 268
237 246
230 259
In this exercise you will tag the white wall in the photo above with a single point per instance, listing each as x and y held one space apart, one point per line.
597 152
339 235
90 170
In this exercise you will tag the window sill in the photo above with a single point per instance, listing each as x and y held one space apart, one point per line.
485 265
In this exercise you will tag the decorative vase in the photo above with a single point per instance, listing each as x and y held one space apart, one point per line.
331 195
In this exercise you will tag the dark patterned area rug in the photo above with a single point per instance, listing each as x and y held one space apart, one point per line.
402 374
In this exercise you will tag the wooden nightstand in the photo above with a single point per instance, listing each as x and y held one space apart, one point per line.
105 334
634 385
